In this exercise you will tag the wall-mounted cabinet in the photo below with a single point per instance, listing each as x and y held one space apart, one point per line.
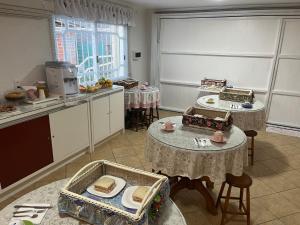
69 131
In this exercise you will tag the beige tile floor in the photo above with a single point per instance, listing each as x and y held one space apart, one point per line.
275 193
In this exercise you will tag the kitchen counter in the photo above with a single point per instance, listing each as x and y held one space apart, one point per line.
26 111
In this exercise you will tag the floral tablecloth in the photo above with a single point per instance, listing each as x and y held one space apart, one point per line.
176 154
135 98
245 119
49 194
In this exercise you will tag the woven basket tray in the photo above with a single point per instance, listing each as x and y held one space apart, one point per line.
207 119
210 82
74 202
236 95
127 84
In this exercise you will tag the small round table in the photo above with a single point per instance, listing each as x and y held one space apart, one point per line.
136 98
245 119
171 215
176 154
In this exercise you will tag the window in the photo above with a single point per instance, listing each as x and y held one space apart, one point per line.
97 49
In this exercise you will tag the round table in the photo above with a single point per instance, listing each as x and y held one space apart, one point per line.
245 119
171 215
136 98
176 154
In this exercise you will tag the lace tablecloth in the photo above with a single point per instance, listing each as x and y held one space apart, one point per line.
176 154
245 119
49 194
136 98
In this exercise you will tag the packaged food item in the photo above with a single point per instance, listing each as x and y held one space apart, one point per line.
140 193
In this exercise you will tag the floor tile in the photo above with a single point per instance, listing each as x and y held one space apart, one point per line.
277 204
291 219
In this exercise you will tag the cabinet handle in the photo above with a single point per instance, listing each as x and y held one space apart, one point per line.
53 136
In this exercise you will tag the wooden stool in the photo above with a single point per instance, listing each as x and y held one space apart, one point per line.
251 134
241 182
139 118
152 116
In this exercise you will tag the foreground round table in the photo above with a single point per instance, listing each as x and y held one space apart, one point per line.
136 98
245 119
176 154
171 215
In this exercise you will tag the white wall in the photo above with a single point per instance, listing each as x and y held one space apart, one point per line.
139 40
25 46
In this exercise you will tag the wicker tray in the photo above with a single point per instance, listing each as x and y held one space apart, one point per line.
207 119
236 95
127 84
211 82
74 200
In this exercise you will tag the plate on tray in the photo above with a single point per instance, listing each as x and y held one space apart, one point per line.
127 200
120 184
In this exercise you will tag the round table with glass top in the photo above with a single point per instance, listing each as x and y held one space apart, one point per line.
170 215
176 154
245 119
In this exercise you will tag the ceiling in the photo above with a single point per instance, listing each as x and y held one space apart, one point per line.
176 4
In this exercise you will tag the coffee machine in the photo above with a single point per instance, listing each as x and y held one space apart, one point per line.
61 78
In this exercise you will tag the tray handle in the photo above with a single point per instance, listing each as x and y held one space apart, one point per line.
149 195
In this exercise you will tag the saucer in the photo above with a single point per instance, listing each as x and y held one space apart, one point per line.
222 142
168 129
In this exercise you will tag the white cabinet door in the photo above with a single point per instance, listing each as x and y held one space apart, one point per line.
69 131
100 118
116 112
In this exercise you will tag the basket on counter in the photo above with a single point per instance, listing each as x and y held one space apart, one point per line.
213 82
207 118
73 201
236 95
127 83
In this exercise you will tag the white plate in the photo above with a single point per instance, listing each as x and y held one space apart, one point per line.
120 184
127 199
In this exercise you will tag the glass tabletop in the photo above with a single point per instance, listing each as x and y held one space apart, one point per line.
183 137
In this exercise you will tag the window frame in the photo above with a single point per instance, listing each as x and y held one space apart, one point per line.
96 74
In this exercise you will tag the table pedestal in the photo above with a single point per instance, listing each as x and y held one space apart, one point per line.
196 184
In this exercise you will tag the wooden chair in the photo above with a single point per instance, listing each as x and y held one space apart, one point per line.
138 118
251 134
241 182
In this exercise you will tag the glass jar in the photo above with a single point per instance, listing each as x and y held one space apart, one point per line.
41 85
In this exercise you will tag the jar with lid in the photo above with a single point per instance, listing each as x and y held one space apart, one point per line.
41 85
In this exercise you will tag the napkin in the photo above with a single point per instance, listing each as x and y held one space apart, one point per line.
36 220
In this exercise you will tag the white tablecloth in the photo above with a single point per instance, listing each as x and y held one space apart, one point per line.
175 153
245 119
136 98
49 194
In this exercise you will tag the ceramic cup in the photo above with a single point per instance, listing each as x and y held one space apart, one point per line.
168 125
218 136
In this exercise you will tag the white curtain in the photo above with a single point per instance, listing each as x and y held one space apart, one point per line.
95 10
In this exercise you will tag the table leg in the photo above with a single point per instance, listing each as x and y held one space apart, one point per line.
197 184
181 184
210 205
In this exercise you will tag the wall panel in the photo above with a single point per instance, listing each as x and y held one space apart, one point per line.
239 71
222 35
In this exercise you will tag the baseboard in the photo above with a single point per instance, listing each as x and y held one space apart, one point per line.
285 130
171 109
